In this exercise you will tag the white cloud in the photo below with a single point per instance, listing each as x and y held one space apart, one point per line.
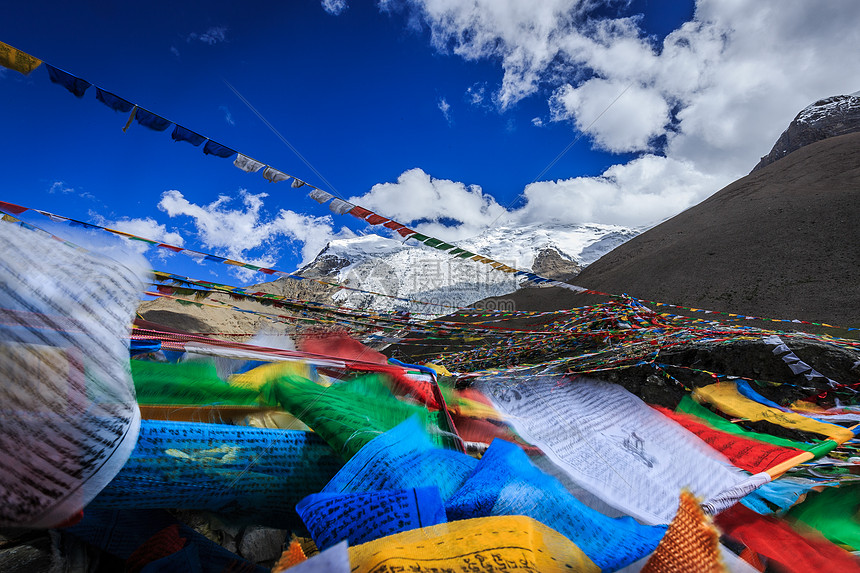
703 105
60 187
238 232
537 122
637 115
442 207
228 117
334 7
445 108
148 228
475 94
644 191
212 36
175 51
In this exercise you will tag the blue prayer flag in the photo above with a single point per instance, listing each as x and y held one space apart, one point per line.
152 121
114 102
213 148
182 134
75 85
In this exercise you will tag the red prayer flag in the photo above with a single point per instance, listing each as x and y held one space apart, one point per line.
12 208
750 455
776 540
359 212
375 219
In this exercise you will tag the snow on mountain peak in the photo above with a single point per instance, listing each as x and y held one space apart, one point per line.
407 269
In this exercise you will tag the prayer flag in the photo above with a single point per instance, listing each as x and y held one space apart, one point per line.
17 60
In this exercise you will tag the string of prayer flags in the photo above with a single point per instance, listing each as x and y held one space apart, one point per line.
12 208
78 87
75 85
796 365
17 60
481 545
247 164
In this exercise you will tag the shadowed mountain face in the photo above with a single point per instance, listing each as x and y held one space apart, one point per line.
830 117
783 242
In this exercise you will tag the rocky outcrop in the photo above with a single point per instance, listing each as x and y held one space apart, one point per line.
830 117
550 263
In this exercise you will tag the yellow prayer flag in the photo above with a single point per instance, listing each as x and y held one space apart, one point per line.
17 60
725 396
257 377
497 543
439 369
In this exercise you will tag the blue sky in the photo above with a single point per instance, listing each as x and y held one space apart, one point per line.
446 116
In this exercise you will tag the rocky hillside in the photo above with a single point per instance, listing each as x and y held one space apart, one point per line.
781 242
830 117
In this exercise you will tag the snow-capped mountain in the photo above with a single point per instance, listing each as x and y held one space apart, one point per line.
829 117
407 269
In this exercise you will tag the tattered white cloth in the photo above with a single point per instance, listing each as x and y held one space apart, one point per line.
614 445
68 415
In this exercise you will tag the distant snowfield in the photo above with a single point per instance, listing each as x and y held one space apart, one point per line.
411 270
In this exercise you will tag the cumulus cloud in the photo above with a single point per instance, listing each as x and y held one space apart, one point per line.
436 206
247 230
702 105
637 115
334 7
643 192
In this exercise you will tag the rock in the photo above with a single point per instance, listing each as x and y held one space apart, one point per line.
25 552
260 544
551 264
